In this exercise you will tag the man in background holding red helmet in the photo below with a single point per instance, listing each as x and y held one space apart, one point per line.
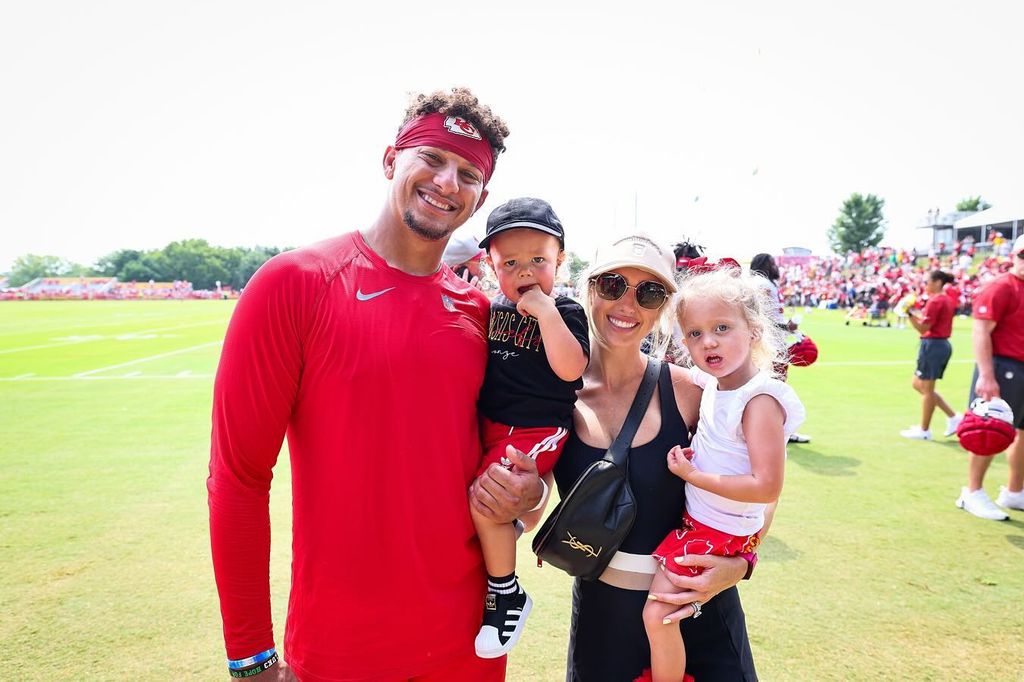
998 340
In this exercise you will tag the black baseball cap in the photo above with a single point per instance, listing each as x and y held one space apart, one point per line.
535 214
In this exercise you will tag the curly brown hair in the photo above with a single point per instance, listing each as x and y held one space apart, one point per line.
461 102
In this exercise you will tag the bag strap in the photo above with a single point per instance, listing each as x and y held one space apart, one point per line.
619 449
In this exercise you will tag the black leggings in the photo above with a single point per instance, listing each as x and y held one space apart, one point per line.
608 643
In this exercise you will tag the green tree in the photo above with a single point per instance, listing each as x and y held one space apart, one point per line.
576 266
194 260
972 204
26 268
249 263
860 224
114 263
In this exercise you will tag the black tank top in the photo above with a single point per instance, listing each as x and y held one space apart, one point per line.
658 492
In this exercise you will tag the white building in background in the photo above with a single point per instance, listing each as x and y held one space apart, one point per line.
942 228
947 228
1009 221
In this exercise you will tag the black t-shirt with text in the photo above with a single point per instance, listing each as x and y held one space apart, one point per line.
520 388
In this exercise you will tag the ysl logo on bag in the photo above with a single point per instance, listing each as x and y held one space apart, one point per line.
576 544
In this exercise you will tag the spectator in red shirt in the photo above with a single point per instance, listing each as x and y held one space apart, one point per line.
935 325
998 340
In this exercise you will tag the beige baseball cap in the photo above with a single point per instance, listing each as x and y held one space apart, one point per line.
1018 244
639 251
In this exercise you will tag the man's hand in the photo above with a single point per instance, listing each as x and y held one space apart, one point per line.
986 387
503 495
535 303
720 573
472 279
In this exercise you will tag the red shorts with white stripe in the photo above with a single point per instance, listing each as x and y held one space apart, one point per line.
543 444
696 538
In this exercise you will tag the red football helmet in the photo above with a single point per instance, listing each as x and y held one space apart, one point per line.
986 434
804 352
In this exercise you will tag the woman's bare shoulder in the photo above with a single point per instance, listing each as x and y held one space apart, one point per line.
687 393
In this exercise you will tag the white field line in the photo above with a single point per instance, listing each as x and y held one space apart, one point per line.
23 376
881 363
127 336
119 377
46 345
147 359
57 327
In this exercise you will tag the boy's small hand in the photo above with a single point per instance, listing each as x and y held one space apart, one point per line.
534 302
679 462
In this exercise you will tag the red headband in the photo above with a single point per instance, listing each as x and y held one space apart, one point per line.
451 133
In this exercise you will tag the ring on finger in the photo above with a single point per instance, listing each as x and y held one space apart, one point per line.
696 609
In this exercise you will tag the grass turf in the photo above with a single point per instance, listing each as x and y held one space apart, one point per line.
870 571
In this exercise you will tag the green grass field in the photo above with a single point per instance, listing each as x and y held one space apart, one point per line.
870 571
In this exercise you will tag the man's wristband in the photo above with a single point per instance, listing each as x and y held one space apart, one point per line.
543 495
254 665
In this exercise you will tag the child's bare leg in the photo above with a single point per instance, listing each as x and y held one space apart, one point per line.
668 656
506 605
498 542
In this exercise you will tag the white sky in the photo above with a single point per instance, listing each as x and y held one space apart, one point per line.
743 125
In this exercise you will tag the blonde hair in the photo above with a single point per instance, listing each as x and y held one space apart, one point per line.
660 335
731 286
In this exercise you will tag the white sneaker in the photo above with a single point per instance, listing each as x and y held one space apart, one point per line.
799 438
916 433
952 423
1010 500
979 504
503 622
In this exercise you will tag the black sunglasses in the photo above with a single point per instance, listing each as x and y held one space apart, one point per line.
612 286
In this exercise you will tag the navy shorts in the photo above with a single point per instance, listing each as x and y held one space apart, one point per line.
1010 377
932 358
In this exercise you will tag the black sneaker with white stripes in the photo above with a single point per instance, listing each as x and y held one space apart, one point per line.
504 618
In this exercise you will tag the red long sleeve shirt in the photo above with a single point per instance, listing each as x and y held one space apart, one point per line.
373 374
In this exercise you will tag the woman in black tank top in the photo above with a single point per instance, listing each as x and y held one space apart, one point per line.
607 641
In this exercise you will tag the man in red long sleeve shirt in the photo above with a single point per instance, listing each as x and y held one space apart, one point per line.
369 354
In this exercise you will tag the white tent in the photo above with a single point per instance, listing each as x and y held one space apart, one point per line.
997 215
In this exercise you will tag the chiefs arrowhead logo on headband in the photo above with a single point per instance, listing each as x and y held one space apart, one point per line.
461 126
451 133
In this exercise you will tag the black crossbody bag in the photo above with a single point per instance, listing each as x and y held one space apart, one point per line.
589 524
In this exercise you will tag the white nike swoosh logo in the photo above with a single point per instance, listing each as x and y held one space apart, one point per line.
366 297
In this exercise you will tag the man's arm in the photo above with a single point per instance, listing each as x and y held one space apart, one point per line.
254 392
981 341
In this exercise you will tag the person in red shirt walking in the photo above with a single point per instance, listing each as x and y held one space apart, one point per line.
935 325
369 354
998 340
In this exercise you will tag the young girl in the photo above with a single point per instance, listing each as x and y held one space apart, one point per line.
735 467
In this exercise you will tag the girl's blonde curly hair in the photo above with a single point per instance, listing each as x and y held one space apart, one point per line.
730 285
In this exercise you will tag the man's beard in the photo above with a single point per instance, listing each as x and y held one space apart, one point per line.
434 235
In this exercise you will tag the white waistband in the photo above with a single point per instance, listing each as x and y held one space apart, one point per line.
634 563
